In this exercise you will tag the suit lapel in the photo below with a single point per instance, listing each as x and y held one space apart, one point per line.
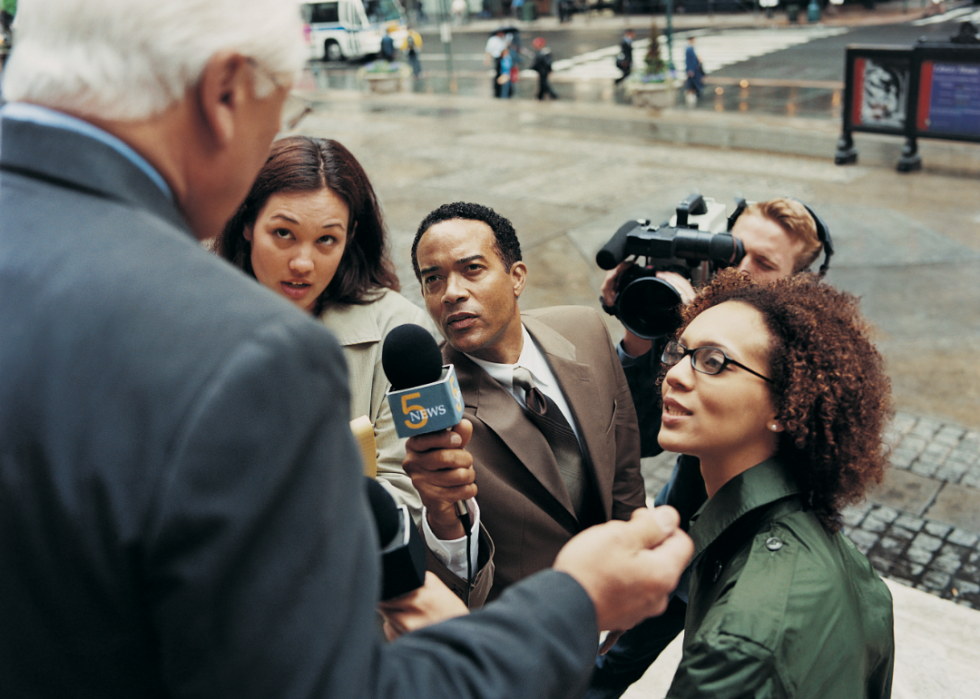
587 405
496 408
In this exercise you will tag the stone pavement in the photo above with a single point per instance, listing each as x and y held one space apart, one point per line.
568 175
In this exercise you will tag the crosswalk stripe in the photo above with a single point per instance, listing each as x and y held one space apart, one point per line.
958 13
716 50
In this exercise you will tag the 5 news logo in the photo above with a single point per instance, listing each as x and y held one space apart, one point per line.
429 408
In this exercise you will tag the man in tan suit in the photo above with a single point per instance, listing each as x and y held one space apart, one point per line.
468 261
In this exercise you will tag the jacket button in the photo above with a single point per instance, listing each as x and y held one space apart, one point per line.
773 543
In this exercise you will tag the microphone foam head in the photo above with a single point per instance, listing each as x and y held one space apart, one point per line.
411 357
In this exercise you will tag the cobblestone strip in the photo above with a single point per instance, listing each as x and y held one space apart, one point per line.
905 546
933 556
935 450
924 554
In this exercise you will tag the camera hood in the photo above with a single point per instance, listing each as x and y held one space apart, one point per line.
649 307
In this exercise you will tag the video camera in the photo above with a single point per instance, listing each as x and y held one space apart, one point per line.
694 243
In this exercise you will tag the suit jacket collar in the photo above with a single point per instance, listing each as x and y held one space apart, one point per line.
496 408
74 160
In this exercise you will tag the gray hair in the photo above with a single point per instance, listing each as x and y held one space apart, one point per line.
132 59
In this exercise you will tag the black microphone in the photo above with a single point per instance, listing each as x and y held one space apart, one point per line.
402 549
410 357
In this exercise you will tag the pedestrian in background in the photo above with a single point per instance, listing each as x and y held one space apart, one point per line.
505 77
565 10
412 46
624 60
459 11
495 46
695 73
542 66
388 46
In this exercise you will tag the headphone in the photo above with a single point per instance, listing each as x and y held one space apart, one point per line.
823 231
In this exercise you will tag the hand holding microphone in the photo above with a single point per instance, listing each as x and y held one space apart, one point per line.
427 406
442 471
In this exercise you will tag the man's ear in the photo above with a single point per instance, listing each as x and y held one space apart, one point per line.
518 275
224 87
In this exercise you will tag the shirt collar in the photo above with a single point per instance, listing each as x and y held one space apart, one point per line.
36 114
531 359
761 485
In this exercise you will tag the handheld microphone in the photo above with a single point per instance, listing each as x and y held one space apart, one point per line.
402 549
425 395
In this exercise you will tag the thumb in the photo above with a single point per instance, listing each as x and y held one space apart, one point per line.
465 430
653 526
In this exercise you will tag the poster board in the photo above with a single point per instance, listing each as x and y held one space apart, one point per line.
877 89
948 95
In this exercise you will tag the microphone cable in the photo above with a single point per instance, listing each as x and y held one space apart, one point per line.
463 513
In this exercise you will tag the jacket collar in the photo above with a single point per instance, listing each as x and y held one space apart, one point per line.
78 161
760 486
355 324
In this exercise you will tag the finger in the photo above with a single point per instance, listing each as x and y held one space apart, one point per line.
651 528
448 477
438 460
465 430
444 498
667 516
443 439
677 546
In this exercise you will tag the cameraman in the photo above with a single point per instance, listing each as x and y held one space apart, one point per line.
780 238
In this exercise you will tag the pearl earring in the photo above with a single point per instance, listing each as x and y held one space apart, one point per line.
774 427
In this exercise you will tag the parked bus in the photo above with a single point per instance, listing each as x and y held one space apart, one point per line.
346 29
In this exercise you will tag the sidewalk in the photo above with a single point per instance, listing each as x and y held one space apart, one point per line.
843 16
569 174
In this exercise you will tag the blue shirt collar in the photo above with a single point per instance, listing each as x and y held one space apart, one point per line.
36 114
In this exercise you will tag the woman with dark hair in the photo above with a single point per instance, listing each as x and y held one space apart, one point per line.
781 394
311 230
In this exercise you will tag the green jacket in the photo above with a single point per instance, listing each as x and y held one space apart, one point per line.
778 606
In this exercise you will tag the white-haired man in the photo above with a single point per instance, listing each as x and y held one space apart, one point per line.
181 509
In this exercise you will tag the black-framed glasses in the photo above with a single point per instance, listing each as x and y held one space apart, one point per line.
707 360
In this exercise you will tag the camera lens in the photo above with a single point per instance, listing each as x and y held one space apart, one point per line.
649 307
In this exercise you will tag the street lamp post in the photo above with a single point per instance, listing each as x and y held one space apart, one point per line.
669 31
446 34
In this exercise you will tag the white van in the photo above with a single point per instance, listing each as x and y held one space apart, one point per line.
344 29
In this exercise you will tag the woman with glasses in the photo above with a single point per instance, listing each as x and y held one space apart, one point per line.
312 231
780 393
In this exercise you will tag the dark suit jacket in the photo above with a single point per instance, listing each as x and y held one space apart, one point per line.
523 501
182 511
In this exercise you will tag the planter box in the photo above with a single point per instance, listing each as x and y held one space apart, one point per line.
652 95
383 83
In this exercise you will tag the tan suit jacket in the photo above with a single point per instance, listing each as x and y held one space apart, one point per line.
523 501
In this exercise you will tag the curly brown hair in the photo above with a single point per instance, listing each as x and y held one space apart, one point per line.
828 384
